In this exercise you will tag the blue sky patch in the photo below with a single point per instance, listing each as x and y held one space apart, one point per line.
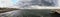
14 1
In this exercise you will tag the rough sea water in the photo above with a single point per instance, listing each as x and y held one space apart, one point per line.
27 13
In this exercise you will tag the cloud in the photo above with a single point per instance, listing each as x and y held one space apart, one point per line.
7 3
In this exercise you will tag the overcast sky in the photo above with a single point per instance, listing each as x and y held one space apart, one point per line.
9 3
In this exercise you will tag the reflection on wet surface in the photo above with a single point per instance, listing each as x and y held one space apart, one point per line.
30 13
2 10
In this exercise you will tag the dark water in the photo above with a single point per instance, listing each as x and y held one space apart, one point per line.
29 13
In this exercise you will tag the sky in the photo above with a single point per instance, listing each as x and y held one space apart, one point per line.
7 3
14 1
